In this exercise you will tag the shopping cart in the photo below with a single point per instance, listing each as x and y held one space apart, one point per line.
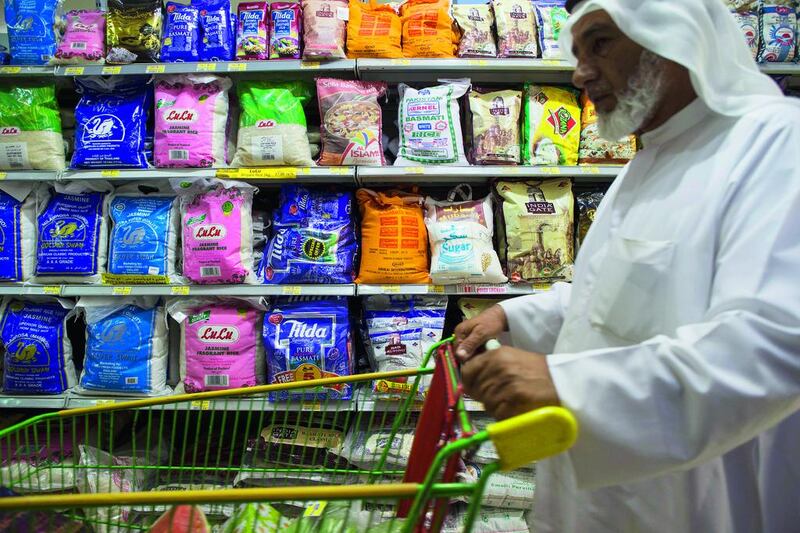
328 465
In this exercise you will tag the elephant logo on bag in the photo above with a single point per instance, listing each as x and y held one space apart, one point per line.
103 128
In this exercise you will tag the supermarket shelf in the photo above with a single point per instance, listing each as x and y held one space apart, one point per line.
479 175
207 290
512 289
367 401
254 403
478 70
295 68
19 71
33 402
254 175
21 289
30 175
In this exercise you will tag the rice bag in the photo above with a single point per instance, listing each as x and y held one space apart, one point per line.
593 149
472 307
477 34
351 122
31 30
430 125
181 34
551 15
366 441
111 122
217 30
778 25
748 22
30 128
509 490
38 353
133 31
324 28
309 338
72 232
374 30
252 40
144 235
272 124
126 347
217 230
285 29
495 127
488 520
588 202
84 39
255 518
428 29
17 232
551 127
191 121
538 229
394 242
220 346
516 28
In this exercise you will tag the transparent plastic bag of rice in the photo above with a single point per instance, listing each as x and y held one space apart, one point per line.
30 128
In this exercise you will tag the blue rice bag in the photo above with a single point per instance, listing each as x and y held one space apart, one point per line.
38 353
17 235
181 34
778 25
551 16
111 122
217 30
31 32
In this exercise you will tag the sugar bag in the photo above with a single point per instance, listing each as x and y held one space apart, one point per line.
72 228
133 31
38 353
84 39
778 25
31 30
324 28
309 339
191 120
30 128
252 31
551 15
217 230
217 30
126 347
285 29
111 122
143 241
220 343
475 23
17 231
181 34
551 127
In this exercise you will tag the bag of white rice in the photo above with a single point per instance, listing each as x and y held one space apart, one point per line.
18 230
30 128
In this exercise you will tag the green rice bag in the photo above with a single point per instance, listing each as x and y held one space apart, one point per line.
30 128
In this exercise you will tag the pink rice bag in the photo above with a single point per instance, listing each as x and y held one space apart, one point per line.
324 27
252 30
191 121
84 39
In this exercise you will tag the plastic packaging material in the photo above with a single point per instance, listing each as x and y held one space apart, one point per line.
285 30
309 338
324 28
551 15
17 232
778 25
126 347
217 229
38 353
374 31
220 346
593 149
538 229
191 121
472 307
495 127
364 445
428 29
133 31
476 25
394 242
31 30
217 30
255 518
430 125
252 40
516 28
294 443
45 468
30 128
181 34
272 124
84 40
72 232
748 22
143 241
111 122
313 240
588 202
489 520
551 128
509 490
351 122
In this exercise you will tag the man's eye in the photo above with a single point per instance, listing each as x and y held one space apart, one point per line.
600 46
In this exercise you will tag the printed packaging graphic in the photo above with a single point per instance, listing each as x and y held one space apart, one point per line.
551 127
778 33
285 30
31 30
17 237
217 30
84 39
252 32
181 32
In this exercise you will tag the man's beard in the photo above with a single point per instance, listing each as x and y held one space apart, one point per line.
636 104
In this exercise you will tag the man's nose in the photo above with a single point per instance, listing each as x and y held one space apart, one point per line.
584 73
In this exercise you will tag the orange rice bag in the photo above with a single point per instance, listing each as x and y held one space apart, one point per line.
428 29
394 241
373 31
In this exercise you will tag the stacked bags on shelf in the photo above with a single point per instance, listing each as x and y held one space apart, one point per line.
770 28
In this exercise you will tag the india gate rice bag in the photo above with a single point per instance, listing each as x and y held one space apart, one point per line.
428 29
596 150
133 31
325 28
477 34
374 30
495 127
551 126
516 28
30 128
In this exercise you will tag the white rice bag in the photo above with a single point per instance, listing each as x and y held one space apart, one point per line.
17 231
489 520
509 490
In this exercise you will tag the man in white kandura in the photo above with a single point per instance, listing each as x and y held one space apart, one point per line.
677 346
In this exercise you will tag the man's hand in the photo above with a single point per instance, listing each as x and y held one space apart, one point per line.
509 381
472 334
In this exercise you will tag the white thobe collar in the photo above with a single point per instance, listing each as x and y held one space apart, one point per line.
682 121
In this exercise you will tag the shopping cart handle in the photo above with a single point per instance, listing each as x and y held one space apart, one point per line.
534 435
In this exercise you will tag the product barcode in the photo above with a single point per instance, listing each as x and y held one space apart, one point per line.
15 164
268 157
132 381
217 381
207 272
78 46
179 155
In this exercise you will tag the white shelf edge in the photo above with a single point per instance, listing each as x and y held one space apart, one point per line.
253 404
58 401
206 290
466 289
292 66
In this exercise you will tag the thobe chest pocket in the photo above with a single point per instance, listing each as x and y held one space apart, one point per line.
631 289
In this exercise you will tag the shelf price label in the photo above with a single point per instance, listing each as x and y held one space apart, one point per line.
436 289
112 70
315 508
477 62
206 67
99 403
552 62
237 67
73 71
311 406
309 65
591 170
340 171
542 286
200 405
401 62
270 173
294 290
415 170
553 171
182 290
155 69
3 175
10 70
390 289
54 290
110 173
121 291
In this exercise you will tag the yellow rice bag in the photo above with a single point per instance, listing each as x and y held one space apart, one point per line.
551 127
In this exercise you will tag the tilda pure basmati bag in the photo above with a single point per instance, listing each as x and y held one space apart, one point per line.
17 231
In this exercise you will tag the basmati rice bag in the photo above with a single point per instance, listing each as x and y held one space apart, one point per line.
133 31
38 352
252 35
30 128
285 21
748 22
430 125
17 231
428 29
143 241
220 345
538 229
217 30
181 34
191 121
324 28
309 338
516 28
72 227
394 242
495 127
778 25
31 30
351 122
551 127
477 34
488 520
126 347
596 150
84 39
272 124
217 230
374 31
551 15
